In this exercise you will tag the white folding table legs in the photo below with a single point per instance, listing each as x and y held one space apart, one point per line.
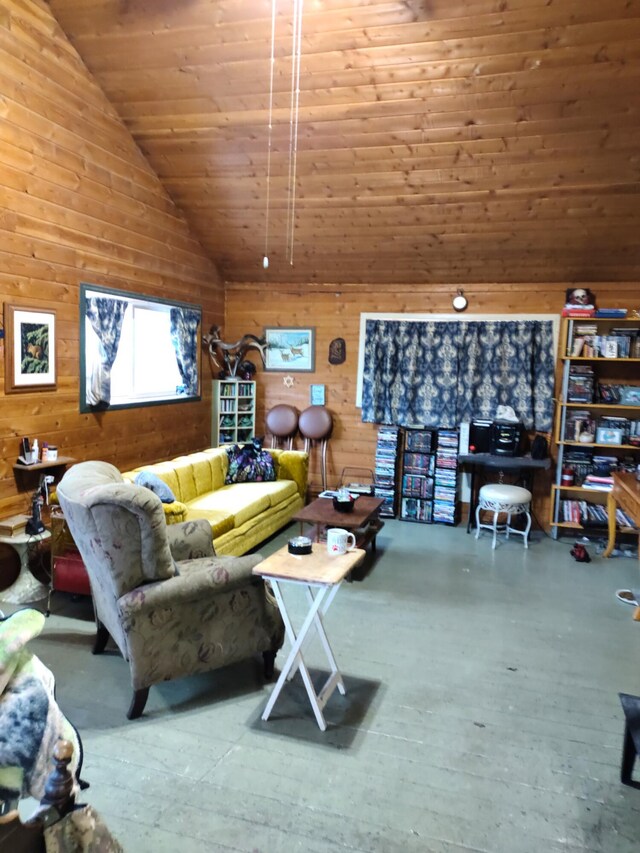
319 604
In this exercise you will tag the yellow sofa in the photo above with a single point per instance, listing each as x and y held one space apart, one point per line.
242 514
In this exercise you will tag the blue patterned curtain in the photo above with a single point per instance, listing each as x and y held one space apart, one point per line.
105 316
184 336
439 373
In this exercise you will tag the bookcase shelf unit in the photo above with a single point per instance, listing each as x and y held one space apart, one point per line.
233 414
597 427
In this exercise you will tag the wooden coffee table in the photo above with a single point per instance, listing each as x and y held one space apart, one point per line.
321 575
363 522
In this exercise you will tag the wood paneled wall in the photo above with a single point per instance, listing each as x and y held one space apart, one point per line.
463 140
335 311
78 202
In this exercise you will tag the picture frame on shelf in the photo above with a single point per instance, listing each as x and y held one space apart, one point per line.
609 435
30 349
290 349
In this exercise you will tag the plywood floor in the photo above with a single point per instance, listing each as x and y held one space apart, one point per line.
482 715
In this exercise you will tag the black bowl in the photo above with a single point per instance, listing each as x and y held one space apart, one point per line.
343 506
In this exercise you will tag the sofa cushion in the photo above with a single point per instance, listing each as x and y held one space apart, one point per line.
242 501
292 465
241 539
151 481
220 518
279 490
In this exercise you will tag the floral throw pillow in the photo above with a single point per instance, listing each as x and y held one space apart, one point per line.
249 464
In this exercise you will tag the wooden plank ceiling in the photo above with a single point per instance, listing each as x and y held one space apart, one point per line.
446 141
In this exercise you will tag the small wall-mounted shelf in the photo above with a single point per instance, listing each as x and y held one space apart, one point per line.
49 463
24 474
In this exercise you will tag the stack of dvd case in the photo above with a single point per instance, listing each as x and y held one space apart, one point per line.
386 468
445 502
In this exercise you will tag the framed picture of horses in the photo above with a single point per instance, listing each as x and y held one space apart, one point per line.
291 350
30 349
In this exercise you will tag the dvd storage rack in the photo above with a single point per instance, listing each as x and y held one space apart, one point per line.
429 491
418 475
386 469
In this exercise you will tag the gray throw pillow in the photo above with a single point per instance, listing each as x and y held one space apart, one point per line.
157 486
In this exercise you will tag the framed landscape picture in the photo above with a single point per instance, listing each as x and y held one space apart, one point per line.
30 349
291 350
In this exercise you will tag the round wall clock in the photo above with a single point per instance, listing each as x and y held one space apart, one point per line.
459 301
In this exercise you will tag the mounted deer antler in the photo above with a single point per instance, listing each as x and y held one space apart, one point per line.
231 354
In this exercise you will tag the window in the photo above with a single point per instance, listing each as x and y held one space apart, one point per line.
136 350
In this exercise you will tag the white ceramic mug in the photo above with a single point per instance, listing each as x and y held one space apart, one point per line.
338 541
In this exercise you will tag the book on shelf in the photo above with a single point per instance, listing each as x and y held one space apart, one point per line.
13 525
605 346
597 487
575 311
624 520
611 313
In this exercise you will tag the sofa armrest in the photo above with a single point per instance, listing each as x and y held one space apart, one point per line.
292 465
198 579
189 540
175 512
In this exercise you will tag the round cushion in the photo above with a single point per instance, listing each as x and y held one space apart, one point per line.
316 422
282 420
500 492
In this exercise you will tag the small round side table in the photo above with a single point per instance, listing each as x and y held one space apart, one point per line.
25 587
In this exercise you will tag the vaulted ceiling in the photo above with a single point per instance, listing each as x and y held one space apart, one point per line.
444 141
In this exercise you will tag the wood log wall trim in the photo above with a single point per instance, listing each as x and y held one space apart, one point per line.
80 203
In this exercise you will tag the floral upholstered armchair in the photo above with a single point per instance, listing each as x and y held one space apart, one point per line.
170 604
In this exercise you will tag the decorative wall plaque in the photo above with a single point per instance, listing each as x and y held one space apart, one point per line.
337 351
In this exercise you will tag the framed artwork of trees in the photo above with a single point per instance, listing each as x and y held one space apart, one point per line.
30 349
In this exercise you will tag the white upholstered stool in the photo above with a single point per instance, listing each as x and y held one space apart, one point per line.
512 500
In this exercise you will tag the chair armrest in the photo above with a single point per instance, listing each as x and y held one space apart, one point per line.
292 465
206 577
174 512
190 540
